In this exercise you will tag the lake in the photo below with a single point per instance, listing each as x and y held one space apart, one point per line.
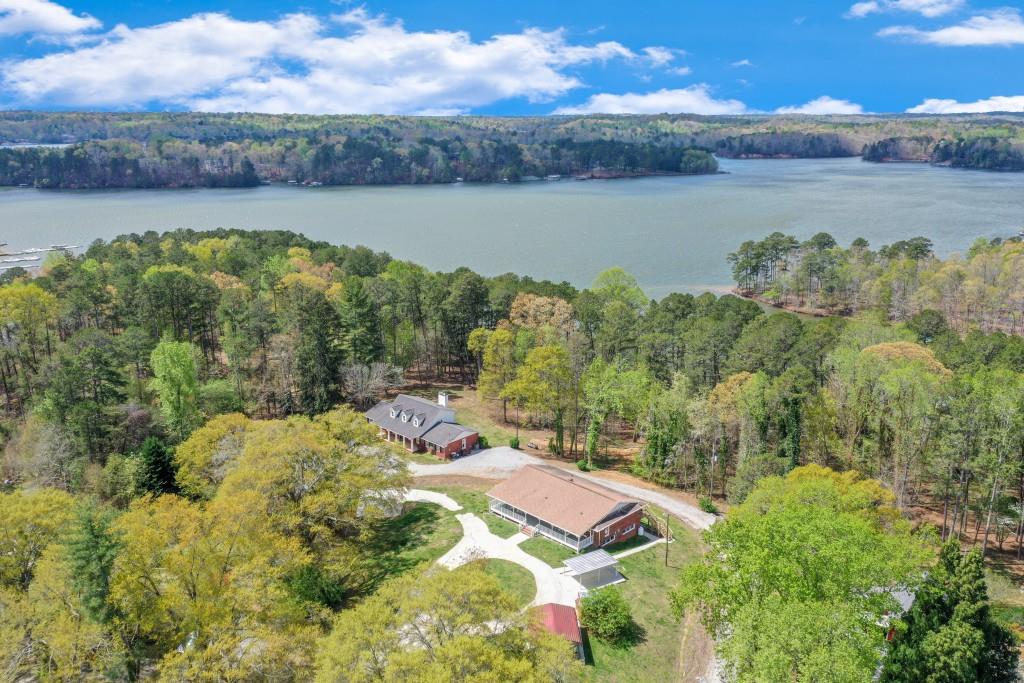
672 233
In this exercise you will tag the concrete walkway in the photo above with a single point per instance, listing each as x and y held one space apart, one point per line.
421 496
478 542
639 548
502 462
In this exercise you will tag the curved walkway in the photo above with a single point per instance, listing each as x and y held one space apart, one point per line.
421 496
478 543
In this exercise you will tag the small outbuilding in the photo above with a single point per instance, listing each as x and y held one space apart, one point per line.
594 569
562 620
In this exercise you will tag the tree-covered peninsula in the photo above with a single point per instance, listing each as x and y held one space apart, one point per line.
97 150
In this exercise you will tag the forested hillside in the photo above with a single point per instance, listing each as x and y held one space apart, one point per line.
981 289
191 494
214 150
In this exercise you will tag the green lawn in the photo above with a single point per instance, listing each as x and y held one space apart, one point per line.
420 535
648 582
514 579
628 544
545 549
423 458
474 412
1007 600
476 502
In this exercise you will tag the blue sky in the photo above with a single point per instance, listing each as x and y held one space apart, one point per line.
526 57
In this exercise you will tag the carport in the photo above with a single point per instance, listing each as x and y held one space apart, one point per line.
594 569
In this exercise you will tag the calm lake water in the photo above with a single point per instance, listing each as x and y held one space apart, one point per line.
672 233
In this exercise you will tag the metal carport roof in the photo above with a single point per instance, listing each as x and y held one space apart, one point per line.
589 562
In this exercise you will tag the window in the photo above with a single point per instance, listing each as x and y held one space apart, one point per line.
415 422
405 417
394 413
628 529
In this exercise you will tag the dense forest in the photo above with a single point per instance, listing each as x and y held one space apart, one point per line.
216 150
190 492
987 152
980 290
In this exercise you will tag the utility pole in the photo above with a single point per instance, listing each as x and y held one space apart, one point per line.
667 532
517 421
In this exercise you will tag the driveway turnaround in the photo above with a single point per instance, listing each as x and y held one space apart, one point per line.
502 462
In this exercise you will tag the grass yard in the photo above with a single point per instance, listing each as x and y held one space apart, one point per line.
485 416
658 655
1007 599
476 502
547 550
514 579
420 535
628 544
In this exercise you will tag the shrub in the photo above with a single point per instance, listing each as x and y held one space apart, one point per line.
582 465
482 442
606 614
514 442
707 505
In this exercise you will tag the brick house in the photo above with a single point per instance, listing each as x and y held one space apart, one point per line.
421 425
573 511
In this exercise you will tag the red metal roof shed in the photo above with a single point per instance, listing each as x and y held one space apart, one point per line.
561 619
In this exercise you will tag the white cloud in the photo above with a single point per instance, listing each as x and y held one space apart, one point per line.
999 103
659 56
681 71
742 62
927 8
823 105
41 17
695 99
1003 27
213 62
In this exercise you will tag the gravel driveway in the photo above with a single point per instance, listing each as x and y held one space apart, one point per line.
502 462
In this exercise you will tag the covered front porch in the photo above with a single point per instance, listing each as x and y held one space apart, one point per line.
524 519
411 445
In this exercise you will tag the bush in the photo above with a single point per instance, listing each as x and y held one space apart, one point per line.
707 505
582 465
606 614
482 442
218 397
514 442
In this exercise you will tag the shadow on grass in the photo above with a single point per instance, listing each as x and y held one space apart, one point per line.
386 550
633 635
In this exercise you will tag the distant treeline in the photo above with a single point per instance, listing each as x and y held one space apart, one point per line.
216 150
370 160
988 152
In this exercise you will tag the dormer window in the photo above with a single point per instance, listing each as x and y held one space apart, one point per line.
394 413
405 417
415 422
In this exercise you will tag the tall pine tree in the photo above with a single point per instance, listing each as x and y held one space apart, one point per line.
92 546
949 635
360 323
158 471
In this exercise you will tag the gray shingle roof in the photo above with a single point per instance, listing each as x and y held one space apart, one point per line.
430 417
445 433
